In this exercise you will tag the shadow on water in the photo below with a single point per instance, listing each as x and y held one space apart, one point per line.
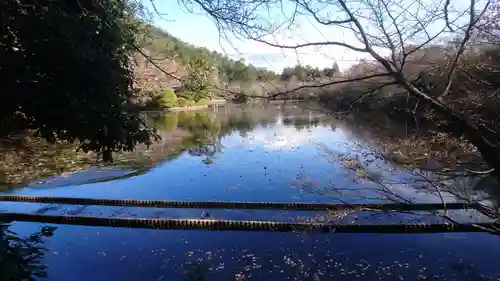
399 143
283 152
426 152
33 161
21 258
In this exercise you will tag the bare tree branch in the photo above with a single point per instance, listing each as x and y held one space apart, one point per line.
138 49
371 91
380 22
446 15
472 22
362 32
489 171
319 20
322 85
303 45
314 86
398 30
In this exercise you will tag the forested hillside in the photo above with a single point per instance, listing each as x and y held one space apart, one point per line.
173 56
164 62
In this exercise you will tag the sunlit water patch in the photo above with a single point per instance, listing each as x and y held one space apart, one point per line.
281 153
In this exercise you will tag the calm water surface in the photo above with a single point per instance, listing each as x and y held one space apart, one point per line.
275 152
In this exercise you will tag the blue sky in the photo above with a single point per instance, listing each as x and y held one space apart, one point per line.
198 29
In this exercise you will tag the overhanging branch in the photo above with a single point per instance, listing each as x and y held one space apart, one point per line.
155 64
329 84
472 22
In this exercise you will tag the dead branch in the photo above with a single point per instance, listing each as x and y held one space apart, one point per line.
472 22
446 15
319 20
489 171
322 85
398 30
150 60
371 91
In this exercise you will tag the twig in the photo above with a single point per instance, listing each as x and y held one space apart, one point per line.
138 49
472 22
489 171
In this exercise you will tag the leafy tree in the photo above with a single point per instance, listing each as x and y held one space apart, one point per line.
241 97
240 72
391 25
287 73
65 70
21 257
199 79
329 72
300 72
265 75
335 68
164 45
169 98
316 73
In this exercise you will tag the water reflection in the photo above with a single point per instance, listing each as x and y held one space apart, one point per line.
199 132
21 258
280 152
204 130
426 153
242 137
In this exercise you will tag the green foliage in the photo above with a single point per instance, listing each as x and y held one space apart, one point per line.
183 102
287 73
307 72
66 73
241 97
154 100
201 102
22 257
171 121
199 79
162 44
169 98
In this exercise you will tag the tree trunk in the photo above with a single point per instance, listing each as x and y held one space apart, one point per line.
488 149
107 156
474 132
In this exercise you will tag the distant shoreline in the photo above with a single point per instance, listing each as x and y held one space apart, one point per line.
196 107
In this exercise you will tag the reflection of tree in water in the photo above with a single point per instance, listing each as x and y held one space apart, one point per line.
206 128
196 272
20 257
207 150
179 131
27 157
243 124
301 123
302 263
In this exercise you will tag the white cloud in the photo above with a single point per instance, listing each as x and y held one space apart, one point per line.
199 30
275 58
280 137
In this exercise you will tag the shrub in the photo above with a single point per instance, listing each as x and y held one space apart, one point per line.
241 97
182 102
201 102
151 99
169 98
171 121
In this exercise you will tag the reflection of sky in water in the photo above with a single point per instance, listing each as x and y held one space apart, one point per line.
287 159
289 137
277 162
96 253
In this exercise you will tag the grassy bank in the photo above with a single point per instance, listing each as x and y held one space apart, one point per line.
167 99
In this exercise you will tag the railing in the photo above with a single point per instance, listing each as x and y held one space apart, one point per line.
244 225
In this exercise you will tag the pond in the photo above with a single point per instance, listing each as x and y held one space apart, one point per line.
279 152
